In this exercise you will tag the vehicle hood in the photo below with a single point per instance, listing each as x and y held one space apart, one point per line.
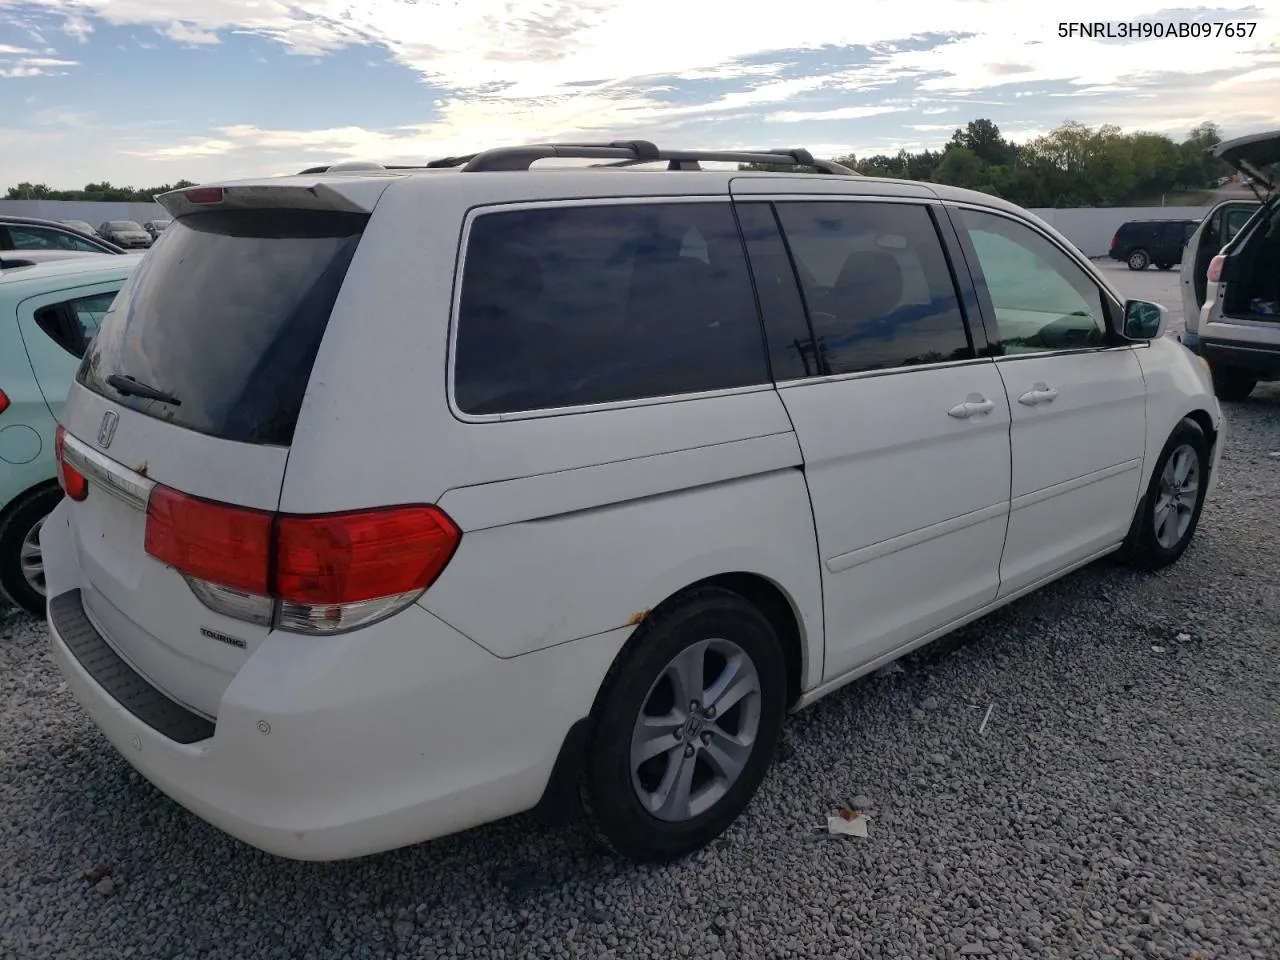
1251 155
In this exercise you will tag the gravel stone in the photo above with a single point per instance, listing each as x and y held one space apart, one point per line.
929 703
1024 843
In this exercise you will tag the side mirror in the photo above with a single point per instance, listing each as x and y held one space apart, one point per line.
1144 320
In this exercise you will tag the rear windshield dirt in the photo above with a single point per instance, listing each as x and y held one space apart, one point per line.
226 317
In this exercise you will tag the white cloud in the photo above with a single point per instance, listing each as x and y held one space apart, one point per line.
189 34
518 70
840 113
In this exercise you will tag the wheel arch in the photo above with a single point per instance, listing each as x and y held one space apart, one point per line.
44 485
560 802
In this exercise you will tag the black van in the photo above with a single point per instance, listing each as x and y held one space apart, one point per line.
1144 242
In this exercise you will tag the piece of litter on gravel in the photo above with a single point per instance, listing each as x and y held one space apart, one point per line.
983 728
1183 638
848 826
1156 648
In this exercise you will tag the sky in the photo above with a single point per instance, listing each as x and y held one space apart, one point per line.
146 92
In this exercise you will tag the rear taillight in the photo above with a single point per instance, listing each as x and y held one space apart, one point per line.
73 483
229 546
1115 238
4 401
1215 268
314 574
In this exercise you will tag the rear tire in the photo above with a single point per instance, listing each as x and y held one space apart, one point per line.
1170 511
21 564
1231 383
674 758
1139 259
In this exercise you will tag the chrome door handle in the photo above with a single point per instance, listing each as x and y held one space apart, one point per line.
975 405
1040 393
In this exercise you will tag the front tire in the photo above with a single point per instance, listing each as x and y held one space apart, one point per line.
21 561
1231 384
686 725
1139 260
1170 511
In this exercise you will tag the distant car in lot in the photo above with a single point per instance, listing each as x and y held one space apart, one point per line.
1140 243
79 226
375 532
48 313
156 227
32 233
125 233
1231 282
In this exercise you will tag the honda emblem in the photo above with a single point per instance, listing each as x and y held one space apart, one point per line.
107 430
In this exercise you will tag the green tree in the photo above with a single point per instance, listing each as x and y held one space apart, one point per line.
103 191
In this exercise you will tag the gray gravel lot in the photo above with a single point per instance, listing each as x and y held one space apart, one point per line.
1123 801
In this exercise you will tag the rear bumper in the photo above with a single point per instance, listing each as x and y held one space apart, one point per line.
1260 358
331 748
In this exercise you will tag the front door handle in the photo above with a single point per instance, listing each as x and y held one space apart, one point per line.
975 405
1040 393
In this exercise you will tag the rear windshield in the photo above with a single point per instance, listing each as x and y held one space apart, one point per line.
123 225
226 317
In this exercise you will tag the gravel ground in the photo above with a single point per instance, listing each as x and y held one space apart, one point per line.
1124 801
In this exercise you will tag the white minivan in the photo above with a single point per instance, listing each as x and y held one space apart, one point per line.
402 500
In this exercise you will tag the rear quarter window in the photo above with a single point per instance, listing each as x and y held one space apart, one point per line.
227 315
571 304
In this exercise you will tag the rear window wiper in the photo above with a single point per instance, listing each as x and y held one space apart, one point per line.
134 388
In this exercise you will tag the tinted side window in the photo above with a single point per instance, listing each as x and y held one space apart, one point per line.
876 283
73 323
571 305
1042 299
791 350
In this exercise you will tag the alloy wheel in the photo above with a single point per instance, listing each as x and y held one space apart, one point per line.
696 730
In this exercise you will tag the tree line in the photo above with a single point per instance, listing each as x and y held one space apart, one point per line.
95 192
1072 166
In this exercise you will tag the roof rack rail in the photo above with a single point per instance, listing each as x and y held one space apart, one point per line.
618 153
632 153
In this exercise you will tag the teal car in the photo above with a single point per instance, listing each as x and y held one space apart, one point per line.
48 314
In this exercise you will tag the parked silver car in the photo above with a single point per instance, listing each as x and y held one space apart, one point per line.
125 233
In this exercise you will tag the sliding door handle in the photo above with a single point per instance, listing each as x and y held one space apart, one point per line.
975 406
1040 393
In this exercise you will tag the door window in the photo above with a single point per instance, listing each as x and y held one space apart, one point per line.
1042 299
876 284
37 238
1234 220
72 323
570 305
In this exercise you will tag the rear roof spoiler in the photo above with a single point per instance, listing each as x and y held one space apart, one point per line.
351 197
